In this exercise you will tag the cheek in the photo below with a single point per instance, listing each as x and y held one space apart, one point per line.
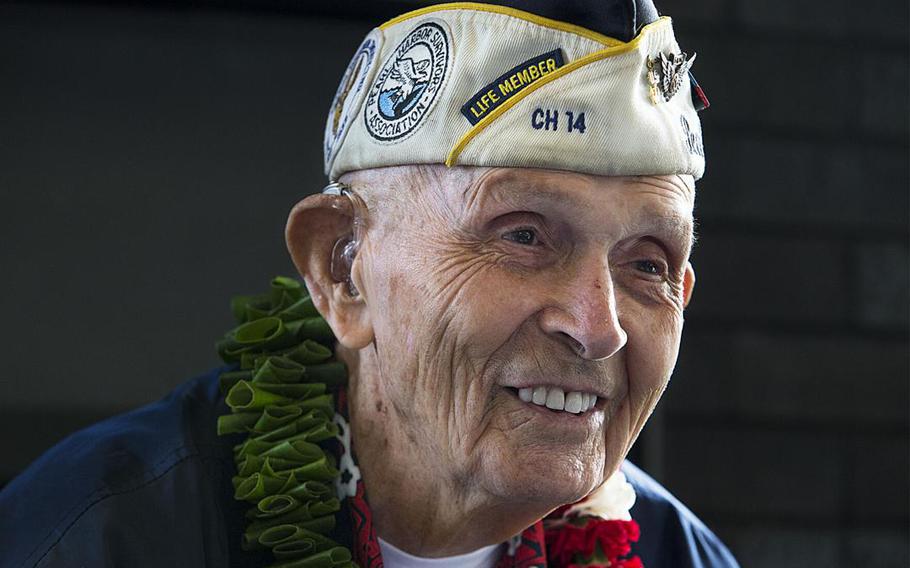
651 352
491 308
440 312
462 298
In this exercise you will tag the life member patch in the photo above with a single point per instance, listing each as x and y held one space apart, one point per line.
509 83
408 83
347 97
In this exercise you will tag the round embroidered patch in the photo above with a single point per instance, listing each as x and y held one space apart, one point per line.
347 98
408 83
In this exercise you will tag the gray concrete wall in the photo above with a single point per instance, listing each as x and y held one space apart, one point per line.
148 160
786 421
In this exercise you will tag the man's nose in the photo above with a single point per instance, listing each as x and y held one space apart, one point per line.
586 319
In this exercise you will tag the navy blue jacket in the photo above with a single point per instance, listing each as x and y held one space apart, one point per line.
152 488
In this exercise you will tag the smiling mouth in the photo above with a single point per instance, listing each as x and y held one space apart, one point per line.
556 399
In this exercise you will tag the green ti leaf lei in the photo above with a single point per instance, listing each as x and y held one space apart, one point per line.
279 398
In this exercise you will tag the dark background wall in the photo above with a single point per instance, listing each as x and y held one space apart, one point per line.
150 152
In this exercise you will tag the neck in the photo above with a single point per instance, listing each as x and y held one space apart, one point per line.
418 505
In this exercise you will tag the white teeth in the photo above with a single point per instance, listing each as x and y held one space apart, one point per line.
574 402
556 399
526 394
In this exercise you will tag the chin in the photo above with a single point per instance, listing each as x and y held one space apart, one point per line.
543 478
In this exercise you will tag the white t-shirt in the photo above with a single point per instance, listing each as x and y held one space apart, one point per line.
485 557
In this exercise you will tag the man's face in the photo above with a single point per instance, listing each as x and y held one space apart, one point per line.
493 281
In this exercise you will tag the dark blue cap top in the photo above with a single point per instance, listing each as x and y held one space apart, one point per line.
620 19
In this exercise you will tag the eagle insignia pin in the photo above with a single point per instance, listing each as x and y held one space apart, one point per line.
666 74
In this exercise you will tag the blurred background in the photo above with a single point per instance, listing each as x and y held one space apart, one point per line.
150 152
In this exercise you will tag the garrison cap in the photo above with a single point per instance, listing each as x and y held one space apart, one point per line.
587 86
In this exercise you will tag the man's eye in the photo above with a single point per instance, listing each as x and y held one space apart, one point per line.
649 267
522 236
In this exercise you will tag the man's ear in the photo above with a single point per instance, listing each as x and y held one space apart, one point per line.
315 225
688 284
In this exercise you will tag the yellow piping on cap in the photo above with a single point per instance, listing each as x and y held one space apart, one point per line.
520 14
564 70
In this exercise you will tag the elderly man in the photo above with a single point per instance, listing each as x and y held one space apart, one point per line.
495 286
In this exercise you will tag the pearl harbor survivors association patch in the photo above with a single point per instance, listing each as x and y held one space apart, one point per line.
407 84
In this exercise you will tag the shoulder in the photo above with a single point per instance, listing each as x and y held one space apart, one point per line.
121 481
671 534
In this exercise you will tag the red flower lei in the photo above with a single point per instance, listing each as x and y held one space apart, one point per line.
591 542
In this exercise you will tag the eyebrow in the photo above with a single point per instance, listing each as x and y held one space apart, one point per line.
680 228
512 188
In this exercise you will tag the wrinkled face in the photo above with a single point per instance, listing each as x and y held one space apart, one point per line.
527 321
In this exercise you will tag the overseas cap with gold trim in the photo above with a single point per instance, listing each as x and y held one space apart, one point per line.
487 85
